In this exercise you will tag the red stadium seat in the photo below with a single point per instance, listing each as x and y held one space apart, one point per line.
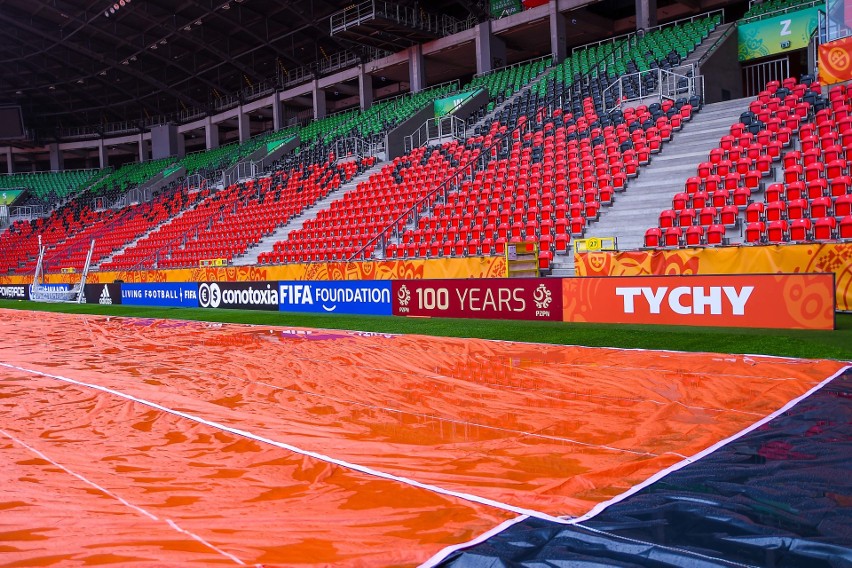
755 232
653 237
800 230
673 237
844 229
715 235
694 236
825 229
776 231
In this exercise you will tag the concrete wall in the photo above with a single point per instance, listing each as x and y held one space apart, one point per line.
472 105
395 140
164 141
722 73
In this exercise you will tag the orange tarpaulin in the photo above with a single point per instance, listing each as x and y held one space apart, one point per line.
182 441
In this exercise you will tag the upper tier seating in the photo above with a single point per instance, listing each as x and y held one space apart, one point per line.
127 177
773 7
47 187
504 83
789 129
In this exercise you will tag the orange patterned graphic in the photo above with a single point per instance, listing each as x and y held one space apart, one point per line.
472 267
834 257
835 61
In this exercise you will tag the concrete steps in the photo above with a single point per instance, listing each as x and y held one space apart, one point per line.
132 243
709 43
489 116
639 207
309 213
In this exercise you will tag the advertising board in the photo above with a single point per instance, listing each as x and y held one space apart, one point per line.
835 61
238 295
779 34
357 297
487 298
104 294
168 294
448 105
14 292
783 301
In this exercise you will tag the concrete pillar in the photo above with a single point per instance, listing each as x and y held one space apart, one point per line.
143 154
10 161
646 14
558 33
181 145
277 114
164 141
211 134
416 69
365 88
319 101
102 154
243 125
57 160
490 50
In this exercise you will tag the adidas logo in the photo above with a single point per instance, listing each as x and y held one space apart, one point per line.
105 297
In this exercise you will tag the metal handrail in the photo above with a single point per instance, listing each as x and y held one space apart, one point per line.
45 172
716 45
542 58
353 146
688 19
612 40
663 78
356 14
27 212
780 11
439 128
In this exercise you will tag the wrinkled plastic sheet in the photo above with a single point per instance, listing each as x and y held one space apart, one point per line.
157 441
778 496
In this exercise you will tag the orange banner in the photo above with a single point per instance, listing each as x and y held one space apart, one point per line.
783 301
468 267
791 259
835 61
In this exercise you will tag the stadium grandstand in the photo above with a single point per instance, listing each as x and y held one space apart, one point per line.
233 151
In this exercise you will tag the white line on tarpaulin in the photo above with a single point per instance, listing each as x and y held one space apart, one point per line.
121 500
349 465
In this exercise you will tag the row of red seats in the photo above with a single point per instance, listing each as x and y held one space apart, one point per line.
816 179
225 225
799 230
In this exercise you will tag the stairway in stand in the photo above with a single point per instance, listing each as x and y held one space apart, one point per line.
280 234
639 207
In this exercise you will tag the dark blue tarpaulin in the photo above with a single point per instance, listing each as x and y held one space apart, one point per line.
780 496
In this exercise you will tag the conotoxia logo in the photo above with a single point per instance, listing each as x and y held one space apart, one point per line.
213 296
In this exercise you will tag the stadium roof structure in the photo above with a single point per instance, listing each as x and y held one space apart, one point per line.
77 63
81 62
